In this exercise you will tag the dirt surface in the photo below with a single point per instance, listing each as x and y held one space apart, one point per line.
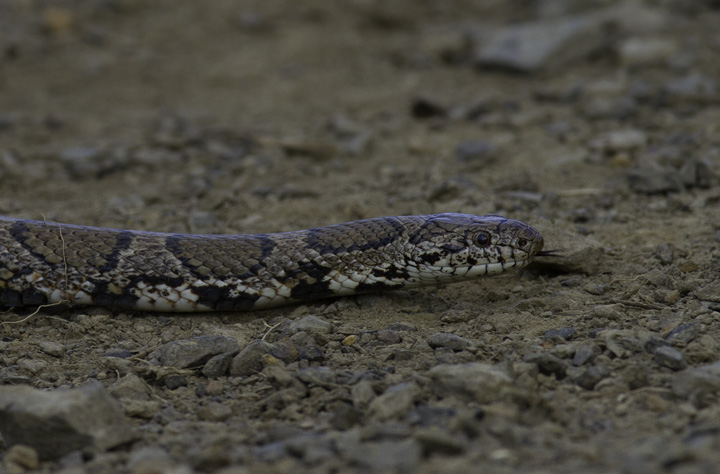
225 117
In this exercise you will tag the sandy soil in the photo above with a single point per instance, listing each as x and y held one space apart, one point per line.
223 117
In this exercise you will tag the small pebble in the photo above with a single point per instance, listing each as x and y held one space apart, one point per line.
647 51
130 387
683 334
395 402
20 457
175 381
193 352
563 334
475 151
362 394
214 388
321 376
665 253
590 377
388 336
533 46
700 385
585 352
548 364
52 348
473 381
423 108
652 180
250 359
670 357
620 140
312 325
436 440
450 341
218 365
694 87
214 412
312 354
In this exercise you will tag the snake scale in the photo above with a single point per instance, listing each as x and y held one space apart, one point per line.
46 262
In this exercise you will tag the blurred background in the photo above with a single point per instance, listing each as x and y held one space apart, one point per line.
234 116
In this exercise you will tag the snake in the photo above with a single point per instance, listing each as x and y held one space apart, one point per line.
45 263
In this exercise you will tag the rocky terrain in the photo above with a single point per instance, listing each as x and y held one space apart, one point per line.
595 121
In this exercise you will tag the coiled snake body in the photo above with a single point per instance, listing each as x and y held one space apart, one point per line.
46 262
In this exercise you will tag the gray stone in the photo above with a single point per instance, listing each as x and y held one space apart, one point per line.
287 349
620 140
312 325
140 408
57 422
562 334
194 352
362 394
280 377
590 377
709 292
385 456
311 447
82 162
395 402
130 387
450 341
585 352
54 349
654 180
311 353
683 334
696 173
214 412
423 108
218 365
529 47
474 381
388 336
20 458
647 51
694 87
670 357
548 364
475 151
665 253
700 385
436 440
320 376
154 459
250 359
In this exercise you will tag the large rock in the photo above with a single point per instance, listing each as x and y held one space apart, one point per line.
58 422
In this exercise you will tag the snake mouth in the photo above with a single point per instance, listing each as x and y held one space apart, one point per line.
548 253
473 271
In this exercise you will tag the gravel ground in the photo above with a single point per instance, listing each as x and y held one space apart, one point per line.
596 122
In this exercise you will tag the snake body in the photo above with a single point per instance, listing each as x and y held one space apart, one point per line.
46 262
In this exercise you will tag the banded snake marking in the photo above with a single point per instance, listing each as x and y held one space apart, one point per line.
46 262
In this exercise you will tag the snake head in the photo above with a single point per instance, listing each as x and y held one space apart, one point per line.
466 246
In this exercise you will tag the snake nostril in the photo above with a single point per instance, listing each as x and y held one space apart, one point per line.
522 242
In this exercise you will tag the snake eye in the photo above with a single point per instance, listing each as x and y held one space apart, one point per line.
522 242
482 239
